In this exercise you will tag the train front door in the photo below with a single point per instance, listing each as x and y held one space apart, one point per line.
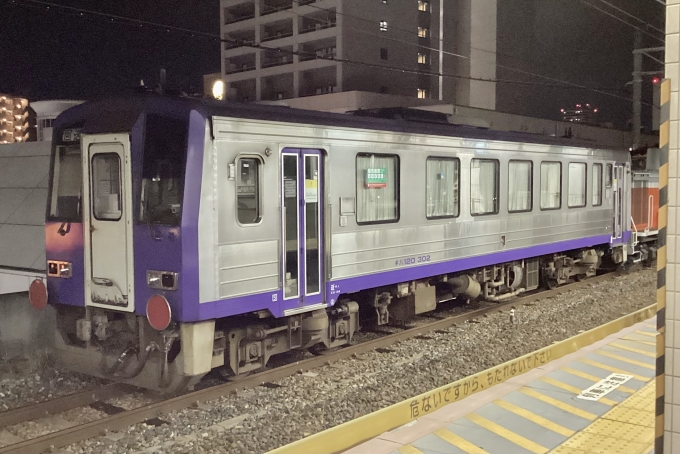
107 216
302 232
619 186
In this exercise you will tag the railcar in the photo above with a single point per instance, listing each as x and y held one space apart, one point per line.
185 236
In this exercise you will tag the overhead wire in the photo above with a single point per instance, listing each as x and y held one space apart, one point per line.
623 21
557 83
632 16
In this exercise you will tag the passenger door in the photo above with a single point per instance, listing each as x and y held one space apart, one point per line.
619 186
107 217
302 232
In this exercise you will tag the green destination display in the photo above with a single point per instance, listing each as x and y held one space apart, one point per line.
376 178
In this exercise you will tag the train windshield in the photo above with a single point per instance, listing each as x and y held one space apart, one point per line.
165 148
67 178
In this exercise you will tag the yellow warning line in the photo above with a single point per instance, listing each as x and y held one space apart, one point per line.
624 359
558 403
507 434
458 442
639 341
408 449
645 333
533 417
615 370
594 379
634 350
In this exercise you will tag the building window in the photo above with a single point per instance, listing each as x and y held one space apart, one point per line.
597 185
551 185
484 186
520 178
423 32
441 192
577 184
423 5
248 191
383 26
423 59
383 53
377 188
423 93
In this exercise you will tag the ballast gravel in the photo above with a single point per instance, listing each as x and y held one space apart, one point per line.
264 418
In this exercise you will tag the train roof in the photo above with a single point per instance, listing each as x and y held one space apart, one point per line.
120 114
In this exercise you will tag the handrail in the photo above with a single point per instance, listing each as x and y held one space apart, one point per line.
635 231
650 213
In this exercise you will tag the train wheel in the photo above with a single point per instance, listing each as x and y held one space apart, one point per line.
580 277
551 284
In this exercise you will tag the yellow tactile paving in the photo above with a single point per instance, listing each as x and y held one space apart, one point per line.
458 442
615 370
626 428
408 449
626 360
559 404
653 344
594 379
507 434
540 420
574 389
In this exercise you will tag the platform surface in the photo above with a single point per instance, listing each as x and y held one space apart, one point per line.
540 411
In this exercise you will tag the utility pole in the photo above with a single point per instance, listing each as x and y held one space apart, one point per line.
637 89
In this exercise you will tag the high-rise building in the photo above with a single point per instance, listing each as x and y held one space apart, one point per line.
279 49
13 119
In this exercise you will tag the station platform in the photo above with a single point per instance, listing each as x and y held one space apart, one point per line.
598 399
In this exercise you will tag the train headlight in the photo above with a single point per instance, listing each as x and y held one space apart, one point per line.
162 280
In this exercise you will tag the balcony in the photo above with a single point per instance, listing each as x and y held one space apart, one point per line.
274 58
244 90
274 6
318 81
320 20
323 48
277 30
277 87
239 13
238 39
240 64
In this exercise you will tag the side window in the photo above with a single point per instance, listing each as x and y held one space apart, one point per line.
377 188
608 176
484 186
65 186
441 192
248 191
106 195
551 185
577 184
597 185
520 178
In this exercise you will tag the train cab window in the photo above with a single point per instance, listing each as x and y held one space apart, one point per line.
577 184
551 185
67 179
520 181
165 149
608 176
597 185
441 192
107 202
377 188
484 186
248 191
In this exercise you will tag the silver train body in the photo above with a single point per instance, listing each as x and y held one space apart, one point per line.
299 227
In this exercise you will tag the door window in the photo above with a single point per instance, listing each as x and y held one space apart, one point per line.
248 191
312 233
290 224
106 184
66 185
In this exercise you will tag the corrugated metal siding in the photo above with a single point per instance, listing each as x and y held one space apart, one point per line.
24 173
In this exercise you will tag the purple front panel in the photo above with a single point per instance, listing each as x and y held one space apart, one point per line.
625 237
66 248
234 306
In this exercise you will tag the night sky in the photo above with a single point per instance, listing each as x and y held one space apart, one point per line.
48 54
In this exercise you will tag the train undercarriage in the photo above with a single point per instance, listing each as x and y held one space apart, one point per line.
124 347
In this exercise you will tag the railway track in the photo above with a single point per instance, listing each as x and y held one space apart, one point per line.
127 418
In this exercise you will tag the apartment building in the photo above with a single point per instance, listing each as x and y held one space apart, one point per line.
13 119
280 49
